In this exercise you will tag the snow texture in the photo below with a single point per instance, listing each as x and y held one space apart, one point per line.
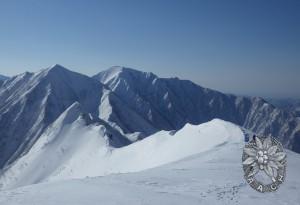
125 136
77 151
213 176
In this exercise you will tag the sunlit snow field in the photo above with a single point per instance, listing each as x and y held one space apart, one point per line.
206 170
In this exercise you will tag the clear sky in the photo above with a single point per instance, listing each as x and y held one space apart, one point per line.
242 47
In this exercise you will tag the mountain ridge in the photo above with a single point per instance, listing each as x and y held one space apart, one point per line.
133 103
29 102
169 103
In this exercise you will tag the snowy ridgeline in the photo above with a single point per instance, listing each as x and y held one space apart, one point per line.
131 104
206 169
62 130
78 151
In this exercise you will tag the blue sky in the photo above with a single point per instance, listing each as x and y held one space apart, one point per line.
242 47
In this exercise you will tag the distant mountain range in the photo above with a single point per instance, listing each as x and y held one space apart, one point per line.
127 104
2 79
169 103
288 104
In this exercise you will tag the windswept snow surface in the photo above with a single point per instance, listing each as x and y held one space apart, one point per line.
213 176
78 151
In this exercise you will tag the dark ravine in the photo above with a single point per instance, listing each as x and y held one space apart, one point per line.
129 101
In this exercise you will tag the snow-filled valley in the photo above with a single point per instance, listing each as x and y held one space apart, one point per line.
125 136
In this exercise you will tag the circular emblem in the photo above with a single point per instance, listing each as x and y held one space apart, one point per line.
264 163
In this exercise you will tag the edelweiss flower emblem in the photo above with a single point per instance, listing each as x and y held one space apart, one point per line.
264 155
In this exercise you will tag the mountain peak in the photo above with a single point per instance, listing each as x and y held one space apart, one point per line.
59 71
117 70
56 67
121 72
121 69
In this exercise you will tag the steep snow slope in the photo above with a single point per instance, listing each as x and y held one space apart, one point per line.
139 105
120 115
211 177
72 135
78 151
170 103
31 101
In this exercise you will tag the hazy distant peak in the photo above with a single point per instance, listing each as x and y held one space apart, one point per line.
2 77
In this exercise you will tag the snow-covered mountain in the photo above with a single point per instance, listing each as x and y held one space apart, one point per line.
209 170
2 79
56 125
29 102
170 103
78 151
289 104
133 104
